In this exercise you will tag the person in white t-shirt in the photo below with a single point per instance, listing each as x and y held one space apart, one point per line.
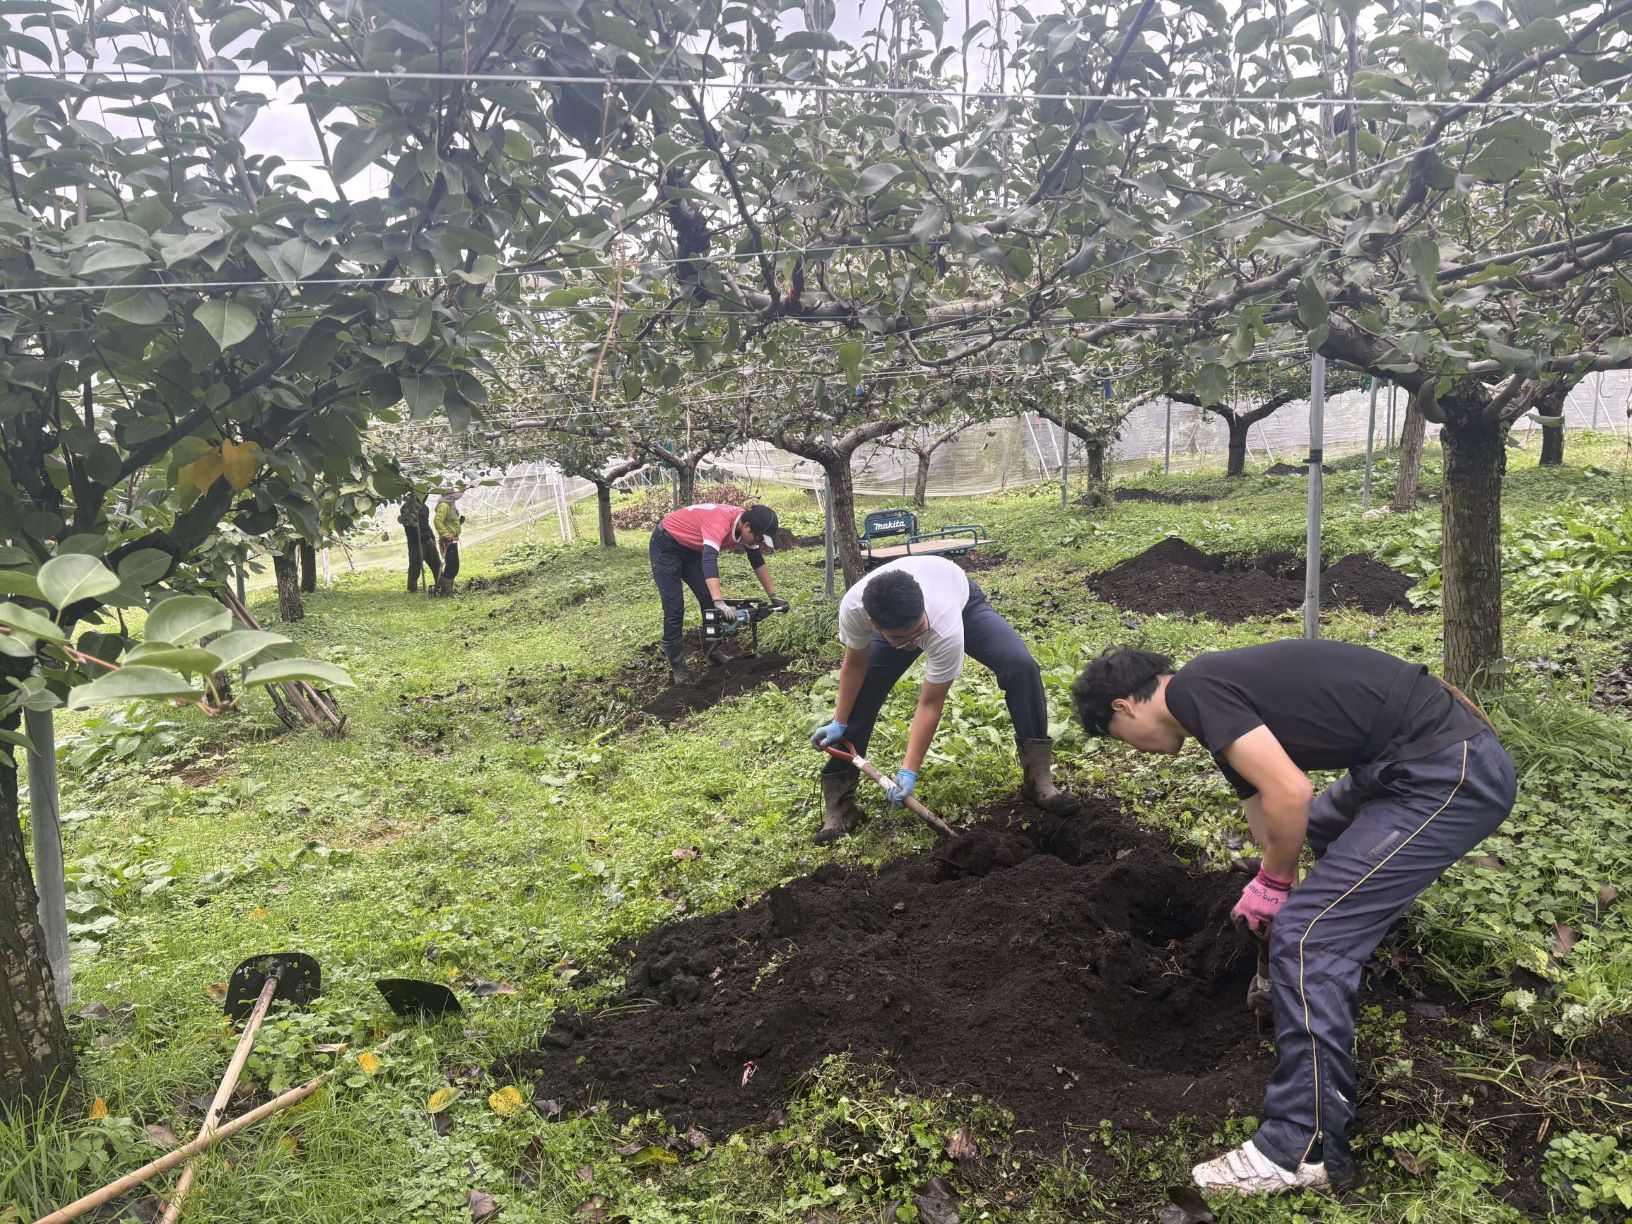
927 606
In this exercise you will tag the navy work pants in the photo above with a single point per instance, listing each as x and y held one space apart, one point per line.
1381 835
672 565
988 639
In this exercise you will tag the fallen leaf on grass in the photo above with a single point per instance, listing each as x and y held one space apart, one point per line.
960 1146
1412 1163
506 1101
486 990
1489 861
99 1109
696 1138
145 1210
748 1069
99 1011
586 1173
549 1109
161 1134
1608 894
530 1164
1563 938
369 1061
217 992
1185 1206
685 852
482 1206
441 1099
289 1144
593 1208
260 913
330 1047
442 1124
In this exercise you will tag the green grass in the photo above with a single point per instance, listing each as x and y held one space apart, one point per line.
465 829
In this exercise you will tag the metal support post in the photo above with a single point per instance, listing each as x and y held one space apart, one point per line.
827 518
45 822
1167 440
1371 430
1317 432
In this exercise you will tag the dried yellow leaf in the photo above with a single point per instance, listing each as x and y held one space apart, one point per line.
259 913
205 470
441 1099
369 1061
506 1102
238 463
99 1109
288 1144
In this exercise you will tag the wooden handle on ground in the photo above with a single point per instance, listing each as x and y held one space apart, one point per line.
223 1094
186 1151
942 829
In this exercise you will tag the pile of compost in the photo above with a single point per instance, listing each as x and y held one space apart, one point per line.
712 685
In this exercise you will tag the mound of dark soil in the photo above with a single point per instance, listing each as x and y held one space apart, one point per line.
1176 577
712 685
1292 469
786 539
510 580
1072 971
1134 493
981 559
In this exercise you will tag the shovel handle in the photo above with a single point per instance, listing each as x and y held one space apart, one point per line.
186 1151
844 750
223 1094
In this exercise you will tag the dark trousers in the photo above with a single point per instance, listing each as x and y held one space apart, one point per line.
988 639
422 556
1381 835
450 566
672 565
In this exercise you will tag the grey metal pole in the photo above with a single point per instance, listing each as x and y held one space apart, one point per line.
1065 465
1317 432
1167 440
45 821
827 518
1371 430
243 668
1388 432
1597 397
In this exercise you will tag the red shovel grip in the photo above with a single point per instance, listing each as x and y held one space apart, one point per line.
844 750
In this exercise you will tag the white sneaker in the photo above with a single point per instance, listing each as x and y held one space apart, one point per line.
1248 1171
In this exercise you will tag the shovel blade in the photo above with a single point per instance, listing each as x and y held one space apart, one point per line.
299 981
419 999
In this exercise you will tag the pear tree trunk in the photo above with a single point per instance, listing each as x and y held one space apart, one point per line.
1410 468
1471 517
603 516
286 571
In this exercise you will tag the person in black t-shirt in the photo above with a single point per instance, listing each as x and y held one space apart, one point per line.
1427 781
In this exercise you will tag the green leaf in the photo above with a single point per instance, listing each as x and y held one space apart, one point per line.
236 21
875 178
483 270
241 645
133 683
227 323
144 307
424 394
16 582
809 40
1423 253
186 618
1212 383
66 580
1312 310
850 355
929 222
113 259
144 567
312 670
193 660
358 148
1510 147
17 739
29 623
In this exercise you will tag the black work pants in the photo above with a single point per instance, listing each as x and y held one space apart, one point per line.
988 639
672 565
450 566
422 555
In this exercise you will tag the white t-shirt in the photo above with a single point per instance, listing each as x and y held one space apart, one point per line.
946 592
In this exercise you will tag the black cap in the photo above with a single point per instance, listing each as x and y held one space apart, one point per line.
763 521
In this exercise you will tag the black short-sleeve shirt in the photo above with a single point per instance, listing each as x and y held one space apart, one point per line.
1320 699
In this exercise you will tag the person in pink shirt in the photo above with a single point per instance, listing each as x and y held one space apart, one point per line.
686 548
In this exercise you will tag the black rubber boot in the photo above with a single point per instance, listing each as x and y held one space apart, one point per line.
1037 762
841 811
679 673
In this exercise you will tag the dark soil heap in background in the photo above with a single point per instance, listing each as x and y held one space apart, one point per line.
1292 469
1134 493
1072 971
1173 576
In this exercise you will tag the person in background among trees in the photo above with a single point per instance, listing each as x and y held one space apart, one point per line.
448 524
415 517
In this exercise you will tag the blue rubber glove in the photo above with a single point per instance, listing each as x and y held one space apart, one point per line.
828 736
905 780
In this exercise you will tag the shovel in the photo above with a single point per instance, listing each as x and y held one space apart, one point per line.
291 976
845 751
417 999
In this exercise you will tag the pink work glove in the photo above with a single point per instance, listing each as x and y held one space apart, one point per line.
1260 901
